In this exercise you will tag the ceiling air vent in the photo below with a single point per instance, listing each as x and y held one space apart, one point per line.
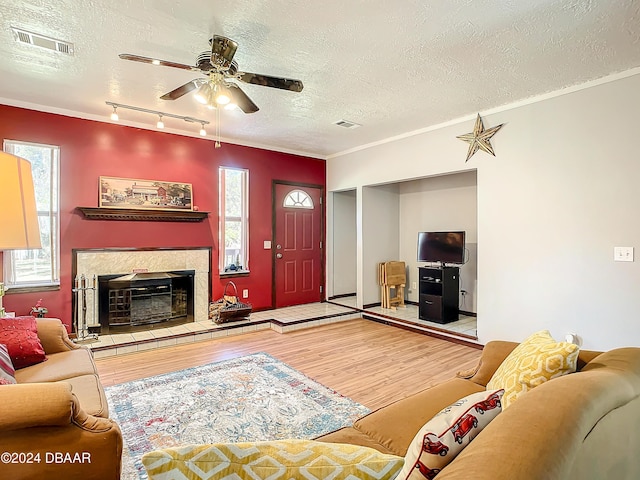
42 41
347 124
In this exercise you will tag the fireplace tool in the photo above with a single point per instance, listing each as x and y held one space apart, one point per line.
80 321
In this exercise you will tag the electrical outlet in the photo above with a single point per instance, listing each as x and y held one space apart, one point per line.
414 285
245 293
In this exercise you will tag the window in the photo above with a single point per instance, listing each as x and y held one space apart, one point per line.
234 221
35 268
298 199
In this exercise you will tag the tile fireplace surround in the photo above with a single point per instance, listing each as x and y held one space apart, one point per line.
123 261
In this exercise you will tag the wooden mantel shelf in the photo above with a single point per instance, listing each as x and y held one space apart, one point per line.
95 213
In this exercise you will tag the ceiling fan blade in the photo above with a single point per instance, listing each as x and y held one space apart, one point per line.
222 51
155 61
180 91
274 82
241 99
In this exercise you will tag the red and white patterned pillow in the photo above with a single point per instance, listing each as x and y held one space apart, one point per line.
443 437
7 372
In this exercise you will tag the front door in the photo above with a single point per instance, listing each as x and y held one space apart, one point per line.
297 245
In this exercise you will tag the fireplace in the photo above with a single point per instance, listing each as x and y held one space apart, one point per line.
143 301
110 263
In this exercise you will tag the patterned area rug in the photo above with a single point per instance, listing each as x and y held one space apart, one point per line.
250 398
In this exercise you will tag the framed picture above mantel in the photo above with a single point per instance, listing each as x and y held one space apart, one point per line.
131 193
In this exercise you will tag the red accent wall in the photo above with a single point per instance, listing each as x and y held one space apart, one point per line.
89 149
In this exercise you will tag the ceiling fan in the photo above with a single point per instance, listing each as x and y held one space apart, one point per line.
219 67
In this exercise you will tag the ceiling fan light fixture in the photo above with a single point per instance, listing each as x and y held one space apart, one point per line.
203 93
222 94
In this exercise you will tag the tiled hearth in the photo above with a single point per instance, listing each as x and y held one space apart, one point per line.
281 320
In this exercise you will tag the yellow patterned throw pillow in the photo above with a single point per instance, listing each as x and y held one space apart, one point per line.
536 360
276 460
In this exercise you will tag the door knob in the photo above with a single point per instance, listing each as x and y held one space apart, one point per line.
278 255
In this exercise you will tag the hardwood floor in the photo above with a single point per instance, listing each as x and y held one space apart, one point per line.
371 363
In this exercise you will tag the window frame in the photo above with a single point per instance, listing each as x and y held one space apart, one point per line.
52 214
243 219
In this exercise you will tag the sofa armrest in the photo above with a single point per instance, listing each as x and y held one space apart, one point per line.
493 354
35 404
50 404
53 336
43 424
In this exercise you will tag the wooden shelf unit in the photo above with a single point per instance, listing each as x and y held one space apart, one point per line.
439 290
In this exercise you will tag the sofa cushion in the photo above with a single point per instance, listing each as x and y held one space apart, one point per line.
444 436
276 460
395 425
354 437
59 366
90 394
20 335
536 360
7 372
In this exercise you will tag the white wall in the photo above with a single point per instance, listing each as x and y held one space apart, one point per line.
380 206
344 243
442 203
559 195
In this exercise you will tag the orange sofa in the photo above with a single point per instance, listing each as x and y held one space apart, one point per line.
54 423
585 425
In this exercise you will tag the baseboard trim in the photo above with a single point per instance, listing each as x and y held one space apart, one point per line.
342 295
371 305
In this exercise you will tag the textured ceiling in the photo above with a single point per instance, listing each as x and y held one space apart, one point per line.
392 66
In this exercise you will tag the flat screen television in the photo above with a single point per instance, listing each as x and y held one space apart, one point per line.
443 247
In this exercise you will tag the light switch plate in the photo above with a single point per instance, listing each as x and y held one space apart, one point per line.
267 244
623 254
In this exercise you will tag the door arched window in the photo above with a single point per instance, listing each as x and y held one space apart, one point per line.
298 199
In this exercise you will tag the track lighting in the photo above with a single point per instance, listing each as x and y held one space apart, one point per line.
160 123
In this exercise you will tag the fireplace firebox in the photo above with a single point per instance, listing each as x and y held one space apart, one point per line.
143 301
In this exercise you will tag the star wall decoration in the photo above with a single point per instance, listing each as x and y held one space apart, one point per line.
479 138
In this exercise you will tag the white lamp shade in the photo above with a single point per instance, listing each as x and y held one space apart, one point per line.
18 213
